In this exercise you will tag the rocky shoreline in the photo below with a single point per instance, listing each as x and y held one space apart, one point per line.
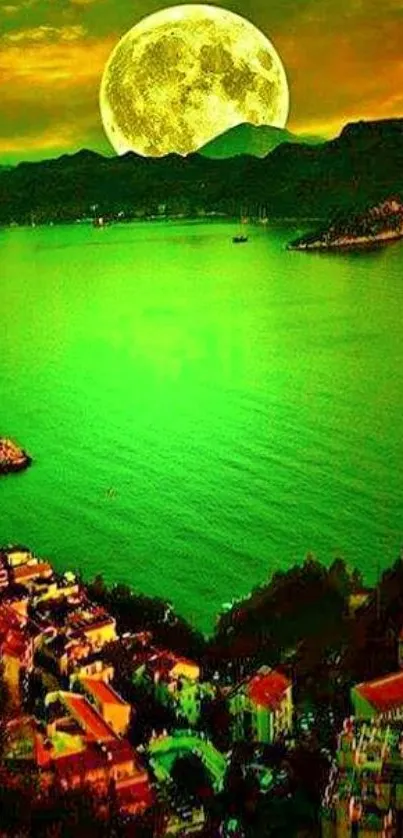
12 457
348 243
379 226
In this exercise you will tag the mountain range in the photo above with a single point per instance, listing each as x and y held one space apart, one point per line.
256 140
361 167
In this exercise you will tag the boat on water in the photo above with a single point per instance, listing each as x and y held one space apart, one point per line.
241 237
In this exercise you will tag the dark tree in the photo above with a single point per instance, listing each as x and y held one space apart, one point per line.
192 778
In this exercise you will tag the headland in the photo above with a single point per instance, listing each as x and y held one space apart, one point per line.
378 226
12 457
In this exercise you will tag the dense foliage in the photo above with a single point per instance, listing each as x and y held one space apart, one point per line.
361 167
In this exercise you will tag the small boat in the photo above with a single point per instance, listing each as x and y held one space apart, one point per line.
241 237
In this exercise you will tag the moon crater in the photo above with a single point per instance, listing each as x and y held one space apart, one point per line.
185 74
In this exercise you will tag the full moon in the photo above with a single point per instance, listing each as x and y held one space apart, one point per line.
184 75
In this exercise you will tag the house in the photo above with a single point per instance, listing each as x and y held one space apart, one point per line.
54 588
92 666
25 574
159 664
71 633
364 795
99 765
94 622
80 747
175 681
261 706
16 649
16 556
60 653
382 698
69 754
73 709
112 707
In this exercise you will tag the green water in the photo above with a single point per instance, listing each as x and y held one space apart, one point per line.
243 405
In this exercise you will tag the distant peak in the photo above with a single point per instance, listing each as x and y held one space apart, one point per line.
254 140
374 126
85 154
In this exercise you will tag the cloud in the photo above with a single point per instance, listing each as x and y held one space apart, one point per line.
46 33
71 60
17 6
49 91
60 138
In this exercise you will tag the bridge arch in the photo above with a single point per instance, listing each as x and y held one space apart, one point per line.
164 750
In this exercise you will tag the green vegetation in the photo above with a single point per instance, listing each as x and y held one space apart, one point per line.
361 167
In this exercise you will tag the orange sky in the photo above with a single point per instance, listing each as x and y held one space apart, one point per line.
343 59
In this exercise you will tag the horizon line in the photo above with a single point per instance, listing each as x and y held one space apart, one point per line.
4 163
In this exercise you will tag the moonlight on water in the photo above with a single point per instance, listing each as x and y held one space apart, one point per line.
184 75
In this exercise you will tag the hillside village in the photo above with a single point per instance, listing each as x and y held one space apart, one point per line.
169 745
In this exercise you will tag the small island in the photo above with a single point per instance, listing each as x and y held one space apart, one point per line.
12 458
378 225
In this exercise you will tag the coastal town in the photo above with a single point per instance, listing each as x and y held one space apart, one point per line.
55 650
174 745
201 553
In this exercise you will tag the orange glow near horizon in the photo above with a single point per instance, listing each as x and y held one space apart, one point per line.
50 69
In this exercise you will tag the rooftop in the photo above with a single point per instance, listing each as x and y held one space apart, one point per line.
89 617
30 571
87 717
61 645
16 644
383 693
9 618
266 688
160 660
102 692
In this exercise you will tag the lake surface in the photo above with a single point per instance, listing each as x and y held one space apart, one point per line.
200 414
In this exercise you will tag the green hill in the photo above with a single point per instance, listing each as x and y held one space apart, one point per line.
255 140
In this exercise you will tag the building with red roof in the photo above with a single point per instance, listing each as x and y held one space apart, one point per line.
80 748
24 574
108 702
261 706
70 760
363 796
382 697
93 622
163 665
79 709
101 764
174 679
